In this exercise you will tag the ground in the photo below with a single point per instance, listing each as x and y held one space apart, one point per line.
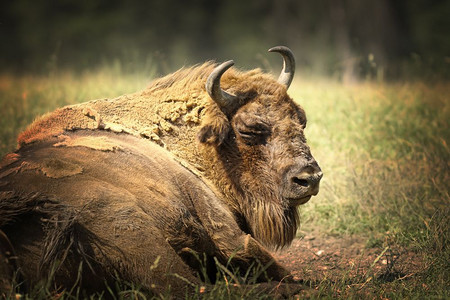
347 264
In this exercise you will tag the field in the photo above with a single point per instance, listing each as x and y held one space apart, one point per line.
380 226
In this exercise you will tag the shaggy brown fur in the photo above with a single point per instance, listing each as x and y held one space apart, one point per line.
173 110
133 212
244 157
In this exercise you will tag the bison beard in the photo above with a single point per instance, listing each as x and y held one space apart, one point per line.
260 210
143 184
273 224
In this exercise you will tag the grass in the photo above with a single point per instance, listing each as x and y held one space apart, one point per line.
24 98
384 150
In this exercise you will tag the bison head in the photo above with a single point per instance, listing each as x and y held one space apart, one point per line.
264 166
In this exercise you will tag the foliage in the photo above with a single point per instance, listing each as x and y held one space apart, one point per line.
375 38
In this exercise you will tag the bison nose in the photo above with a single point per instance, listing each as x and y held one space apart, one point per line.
308 179
300 182
303 179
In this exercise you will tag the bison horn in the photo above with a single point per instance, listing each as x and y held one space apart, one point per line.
287 74
225 101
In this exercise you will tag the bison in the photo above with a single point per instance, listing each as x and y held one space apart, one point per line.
206 166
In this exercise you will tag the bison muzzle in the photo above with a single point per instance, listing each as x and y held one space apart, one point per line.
205 166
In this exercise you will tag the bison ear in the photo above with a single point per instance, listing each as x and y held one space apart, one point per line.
214 129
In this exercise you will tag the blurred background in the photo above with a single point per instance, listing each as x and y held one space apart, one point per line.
346 39
372 77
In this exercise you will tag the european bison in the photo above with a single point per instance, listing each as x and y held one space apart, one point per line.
205 165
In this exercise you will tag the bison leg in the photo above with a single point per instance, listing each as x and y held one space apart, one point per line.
231 244
159 268
248 252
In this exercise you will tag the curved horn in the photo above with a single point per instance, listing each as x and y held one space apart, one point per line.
223 99
287 74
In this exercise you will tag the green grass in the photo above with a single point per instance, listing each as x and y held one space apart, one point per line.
383 148
386 161
384 152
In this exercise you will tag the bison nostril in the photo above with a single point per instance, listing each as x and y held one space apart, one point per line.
319 175
299 181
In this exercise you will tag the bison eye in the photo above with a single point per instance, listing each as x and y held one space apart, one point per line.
254 134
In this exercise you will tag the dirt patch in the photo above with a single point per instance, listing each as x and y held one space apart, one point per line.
345 261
